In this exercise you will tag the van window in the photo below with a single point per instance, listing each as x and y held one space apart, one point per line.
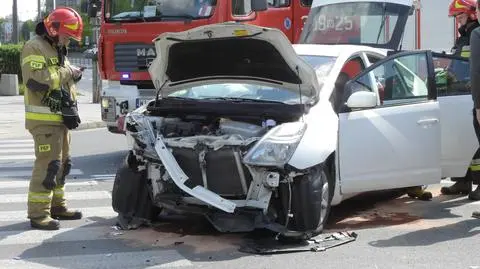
241 7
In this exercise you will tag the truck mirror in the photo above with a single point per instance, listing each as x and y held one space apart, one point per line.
259 5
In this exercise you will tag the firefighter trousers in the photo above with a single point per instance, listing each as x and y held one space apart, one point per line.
474 169
52 161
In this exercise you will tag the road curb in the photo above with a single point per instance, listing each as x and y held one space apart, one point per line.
91 125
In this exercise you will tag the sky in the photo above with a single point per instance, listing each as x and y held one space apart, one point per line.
27 9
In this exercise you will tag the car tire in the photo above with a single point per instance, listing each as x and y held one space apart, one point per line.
311 201
131 199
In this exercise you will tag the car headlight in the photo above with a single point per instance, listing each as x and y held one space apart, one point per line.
277 146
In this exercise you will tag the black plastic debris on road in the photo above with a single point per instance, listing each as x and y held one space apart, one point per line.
266 246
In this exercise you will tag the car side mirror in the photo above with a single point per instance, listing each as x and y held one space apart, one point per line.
259 5
362 99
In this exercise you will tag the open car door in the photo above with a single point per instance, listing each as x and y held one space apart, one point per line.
375 23
393 141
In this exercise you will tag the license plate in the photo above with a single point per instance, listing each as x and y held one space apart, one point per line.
140 102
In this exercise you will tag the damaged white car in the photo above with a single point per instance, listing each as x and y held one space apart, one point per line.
254 133
229 136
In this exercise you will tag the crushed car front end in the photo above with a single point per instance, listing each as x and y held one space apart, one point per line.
224 156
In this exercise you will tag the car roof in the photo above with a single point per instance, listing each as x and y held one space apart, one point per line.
333 50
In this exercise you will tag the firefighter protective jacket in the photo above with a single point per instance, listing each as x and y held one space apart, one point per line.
42 72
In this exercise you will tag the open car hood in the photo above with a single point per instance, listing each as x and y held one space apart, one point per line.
230 53
374 23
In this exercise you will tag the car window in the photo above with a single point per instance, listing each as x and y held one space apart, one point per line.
349 70
400 80
452 75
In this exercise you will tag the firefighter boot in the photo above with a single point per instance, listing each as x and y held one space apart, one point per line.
45 223
62 213
419 193
460 187
475 195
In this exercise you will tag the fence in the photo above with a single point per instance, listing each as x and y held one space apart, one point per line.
81 62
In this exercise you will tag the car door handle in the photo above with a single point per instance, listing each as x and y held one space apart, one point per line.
427 121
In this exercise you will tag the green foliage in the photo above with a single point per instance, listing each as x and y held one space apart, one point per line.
27 27
87 29
10 60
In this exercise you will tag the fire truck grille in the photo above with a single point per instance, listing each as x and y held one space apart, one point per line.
133 57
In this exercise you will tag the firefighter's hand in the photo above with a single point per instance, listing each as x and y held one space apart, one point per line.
53 99
76 73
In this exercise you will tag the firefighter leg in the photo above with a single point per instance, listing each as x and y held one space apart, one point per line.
59 204
419 193
475 166
48 145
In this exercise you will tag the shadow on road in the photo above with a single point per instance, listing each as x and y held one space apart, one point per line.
430 236
99 164
392 207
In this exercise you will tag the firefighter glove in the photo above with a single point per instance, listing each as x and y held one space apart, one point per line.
52 170
53 99
69 111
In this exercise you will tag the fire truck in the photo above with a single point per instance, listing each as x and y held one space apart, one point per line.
127 28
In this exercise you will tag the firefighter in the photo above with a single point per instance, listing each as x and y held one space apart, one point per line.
50 112
466 14
475 86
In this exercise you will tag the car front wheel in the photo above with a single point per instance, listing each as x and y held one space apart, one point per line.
311 196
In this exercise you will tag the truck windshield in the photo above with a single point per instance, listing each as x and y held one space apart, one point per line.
362 23
158 10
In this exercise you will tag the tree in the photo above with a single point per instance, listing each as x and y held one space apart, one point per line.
2 21
27 27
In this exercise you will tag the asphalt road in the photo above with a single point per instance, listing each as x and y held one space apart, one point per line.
393 230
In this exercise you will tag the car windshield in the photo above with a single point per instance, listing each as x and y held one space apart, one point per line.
158 10
246 92
367 23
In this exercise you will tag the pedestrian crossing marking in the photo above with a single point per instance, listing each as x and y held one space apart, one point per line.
28 173
76 195
17 157
17 146
21 215
63 235
16 164
17 141
13 184
153 259
16 150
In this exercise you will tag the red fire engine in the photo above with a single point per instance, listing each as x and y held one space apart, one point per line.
128 27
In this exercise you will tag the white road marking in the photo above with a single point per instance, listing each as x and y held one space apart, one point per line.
21 215
76 195
154 259
24 184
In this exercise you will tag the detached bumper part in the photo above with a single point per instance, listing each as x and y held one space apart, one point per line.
179 178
